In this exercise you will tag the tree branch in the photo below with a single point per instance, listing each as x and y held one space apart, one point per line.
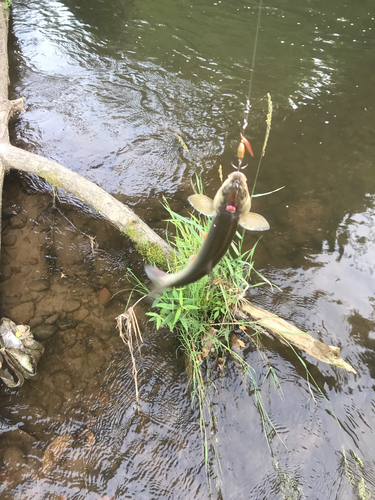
150 245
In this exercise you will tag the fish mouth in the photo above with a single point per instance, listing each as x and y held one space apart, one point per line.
232 200
231 209
232 205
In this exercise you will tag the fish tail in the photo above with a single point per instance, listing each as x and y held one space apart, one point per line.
157 276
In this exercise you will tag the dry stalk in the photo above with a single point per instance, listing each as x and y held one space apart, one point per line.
127 323
93 244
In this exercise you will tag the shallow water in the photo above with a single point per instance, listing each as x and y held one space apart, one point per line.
107 87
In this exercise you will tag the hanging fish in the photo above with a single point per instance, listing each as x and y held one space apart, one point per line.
231 206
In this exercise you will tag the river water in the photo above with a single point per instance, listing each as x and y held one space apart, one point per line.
108 85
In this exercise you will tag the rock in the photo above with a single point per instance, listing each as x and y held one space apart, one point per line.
104 297
95 361
36 297
20 437
71 305
105 333
43 332
9 240
13 458
18 221
81 314
51 304
86 439
81 333
25 270
52 319
96 344
53 402
66 324
36 321
31 261
5 257
69 337
22 313
39 285
62 380
6 272
36 414
58 448
77 351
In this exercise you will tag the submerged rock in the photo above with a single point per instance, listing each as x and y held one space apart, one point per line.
23 313
39 285
71 305
43 332
104 296
13 458
56 451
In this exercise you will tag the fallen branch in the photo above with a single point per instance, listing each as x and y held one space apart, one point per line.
151 246
278 329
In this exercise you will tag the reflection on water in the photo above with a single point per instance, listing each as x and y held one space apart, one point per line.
107 86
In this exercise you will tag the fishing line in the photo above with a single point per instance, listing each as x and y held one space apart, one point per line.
244 143
248 103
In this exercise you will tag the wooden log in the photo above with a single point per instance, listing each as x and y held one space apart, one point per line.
278 329
151 246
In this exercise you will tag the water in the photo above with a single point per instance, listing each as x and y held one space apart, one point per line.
107 87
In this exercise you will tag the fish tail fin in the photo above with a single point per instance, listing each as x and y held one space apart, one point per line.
157 277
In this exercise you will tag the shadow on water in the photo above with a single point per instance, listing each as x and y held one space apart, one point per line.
108 84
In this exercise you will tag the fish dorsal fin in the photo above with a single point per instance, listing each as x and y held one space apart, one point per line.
202 203
254 222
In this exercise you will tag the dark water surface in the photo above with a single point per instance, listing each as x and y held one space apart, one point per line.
107 86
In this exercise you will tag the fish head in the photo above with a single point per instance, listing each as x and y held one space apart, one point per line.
233 196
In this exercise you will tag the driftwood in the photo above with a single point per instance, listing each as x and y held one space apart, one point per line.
278 329
150 245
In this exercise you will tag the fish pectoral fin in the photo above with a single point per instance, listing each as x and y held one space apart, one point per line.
202 203
254 222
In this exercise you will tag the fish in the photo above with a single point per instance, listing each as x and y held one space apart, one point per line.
230 208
